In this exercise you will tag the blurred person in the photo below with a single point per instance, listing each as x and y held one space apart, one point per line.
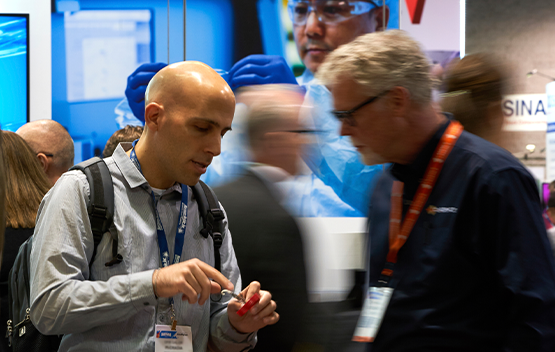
189 109
266 239
457 242
52 144
26 186
546 218
551 213
126 134
474 88
319 27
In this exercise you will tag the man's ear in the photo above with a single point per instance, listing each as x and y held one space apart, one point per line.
153 112
382 18
399 100
43 160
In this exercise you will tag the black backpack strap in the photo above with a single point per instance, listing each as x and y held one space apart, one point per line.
25 269
212 216
100 206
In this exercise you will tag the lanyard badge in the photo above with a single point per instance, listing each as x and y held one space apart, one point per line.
377 298
162 240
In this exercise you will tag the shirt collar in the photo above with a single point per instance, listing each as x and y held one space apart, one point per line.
131 174
273 177
306 78
415 171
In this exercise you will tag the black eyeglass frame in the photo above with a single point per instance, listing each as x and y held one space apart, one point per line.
347 115
46 154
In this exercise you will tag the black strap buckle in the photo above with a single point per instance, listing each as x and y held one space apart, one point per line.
218 239
217 214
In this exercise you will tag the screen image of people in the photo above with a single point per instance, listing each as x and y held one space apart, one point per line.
333 182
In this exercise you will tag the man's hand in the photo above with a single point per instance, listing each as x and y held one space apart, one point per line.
260 69
261 314
191 278
136 87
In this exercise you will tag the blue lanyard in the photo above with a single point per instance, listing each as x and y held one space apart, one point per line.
181 225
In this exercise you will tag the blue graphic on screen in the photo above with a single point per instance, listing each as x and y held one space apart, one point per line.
13 71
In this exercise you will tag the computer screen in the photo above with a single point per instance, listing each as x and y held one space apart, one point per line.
103 47
14 70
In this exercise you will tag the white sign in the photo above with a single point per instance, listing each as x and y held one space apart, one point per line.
550 135
439 27
525 112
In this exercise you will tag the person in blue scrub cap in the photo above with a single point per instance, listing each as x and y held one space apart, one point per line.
336 182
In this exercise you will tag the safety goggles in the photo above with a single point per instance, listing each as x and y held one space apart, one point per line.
327 11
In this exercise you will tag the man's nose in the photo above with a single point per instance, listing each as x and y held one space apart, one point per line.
214 145
314 27
346 129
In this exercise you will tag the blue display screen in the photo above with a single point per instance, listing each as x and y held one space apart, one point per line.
14 71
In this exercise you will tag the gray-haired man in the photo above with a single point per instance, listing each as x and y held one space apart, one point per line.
459 257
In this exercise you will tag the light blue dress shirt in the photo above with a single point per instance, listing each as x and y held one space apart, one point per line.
114 308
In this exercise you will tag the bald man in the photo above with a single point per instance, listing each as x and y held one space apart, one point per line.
130 306
52 144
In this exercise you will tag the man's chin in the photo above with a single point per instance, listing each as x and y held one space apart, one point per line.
191 183
372 159
191 179
312 64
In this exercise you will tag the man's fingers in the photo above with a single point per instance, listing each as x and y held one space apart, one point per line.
196 279
203 282
250 290
264 310
251 59
245 80
272 319
215 275
188 292
141 79
137 95
215 288
265 300
192 279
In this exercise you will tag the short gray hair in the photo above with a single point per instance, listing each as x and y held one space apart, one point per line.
380 61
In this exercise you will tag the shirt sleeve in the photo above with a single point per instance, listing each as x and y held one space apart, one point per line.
61 294
518 248
223 337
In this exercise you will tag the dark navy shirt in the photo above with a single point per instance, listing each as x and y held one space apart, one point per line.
477 272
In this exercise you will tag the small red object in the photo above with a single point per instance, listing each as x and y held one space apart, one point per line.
245 308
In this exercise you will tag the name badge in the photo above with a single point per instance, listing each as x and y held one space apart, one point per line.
372 313
167 339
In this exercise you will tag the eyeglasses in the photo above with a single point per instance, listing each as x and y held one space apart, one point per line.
46 154
301 131
327 11
347 115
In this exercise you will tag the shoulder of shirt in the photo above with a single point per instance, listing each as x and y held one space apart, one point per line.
77 178
487 156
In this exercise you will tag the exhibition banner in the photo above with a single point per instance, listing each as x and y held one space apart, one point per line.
525 112
550 135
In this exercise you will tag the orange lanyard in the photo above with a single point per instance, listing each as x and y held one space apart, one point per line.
400 231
